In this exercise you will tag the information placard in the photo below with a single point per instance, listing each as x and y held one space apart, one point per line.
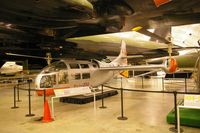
72 91
192 100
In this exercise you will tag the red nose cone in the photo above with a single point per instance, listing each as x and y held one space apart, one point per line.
172 65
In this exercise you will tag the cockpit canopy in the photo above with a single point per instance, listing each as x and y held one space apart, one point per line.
55 66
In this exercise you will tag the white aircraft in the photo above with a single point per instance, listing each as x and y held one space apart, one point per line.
72 73
10 68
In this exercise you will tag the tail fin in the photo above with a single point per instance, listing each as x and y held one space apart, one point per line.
121 60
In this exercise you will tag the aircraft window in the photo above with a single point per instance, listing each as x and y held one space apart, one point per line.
77 76
60 65
74 66
49 69
48 81
63 78
84 65
86 75
94 65
55 67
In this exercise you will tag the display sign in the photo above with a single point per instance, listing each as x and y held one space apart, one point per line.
72 91
192 100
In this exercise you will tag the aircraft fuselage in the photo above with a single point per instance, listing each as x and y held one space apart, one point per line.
68 74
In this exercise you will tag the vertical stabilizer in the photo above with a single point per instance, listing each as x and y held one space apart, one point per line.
121 60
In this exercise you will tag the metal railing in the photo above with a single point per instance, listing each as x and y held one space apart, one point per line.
16 95
175 93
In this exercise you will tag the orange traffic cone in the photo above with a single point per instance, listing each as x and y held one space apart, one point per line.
47 114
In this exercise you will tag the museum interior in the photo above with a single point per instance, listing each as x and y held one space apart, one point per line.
103 66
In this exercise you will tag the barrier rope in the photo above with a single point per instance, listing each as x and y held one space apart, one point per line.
135 90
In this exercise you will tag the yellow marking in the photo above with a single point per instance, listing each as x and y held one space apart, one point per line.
124 73
137 28
189 98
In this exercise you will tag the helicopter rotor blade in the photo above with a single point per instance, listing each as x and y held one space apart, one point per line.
29 56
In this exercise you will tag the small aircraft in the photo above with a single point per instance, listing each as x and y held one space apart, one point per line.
72 73
10 68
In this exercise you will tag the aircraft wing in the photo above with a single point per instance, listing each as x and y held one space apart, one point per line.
135 68
109 44
35 32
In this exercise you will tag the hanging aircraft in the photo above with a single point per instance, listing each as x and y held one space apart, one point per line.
188 62
41 26
69 74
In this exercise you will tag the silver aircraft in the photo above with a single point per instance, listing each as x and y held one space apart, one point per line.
10 68
73 74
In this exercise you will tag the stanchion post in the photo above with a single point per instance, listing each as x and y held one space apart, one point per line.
29 99
142 82
121 82
163 87
122 117
185 84
14 97
44 98
44 95
28 80
174 129
102 99
175 108
18 100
